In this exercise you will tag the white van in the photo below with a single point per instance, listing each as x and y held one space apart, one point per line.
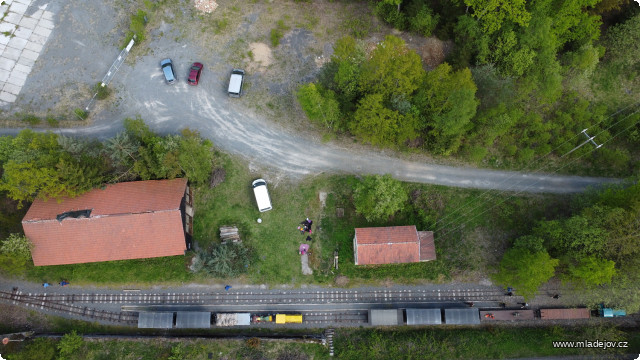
235 83
262 195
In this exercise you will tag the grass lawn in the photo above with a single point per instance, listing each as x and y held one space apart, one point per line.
276 240
483 222
474 343
142 271
153 349
472 230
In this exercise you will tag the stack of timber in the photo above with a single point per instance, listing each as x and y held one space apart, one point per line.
229 233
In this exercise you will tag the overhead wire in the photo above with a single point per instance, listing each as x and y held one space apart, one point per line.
535 182
539 159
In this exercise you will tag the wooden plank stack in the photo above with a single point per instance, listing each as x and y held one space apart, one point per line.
229 233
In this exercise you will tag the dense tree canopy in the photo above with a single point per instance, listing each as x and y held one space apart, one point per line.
525 270
377 197
49 166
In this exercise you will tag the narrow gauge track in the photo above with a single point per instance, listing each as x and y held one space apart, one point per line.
283 297
41 302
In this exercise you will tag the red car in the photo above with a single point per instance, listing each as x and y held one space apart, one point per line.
194 73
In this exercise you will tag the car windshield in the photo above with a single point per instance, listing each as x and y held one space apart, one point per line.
195 68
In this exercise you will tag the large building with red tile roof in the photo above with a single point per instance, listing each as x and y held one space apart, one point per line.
130 220
392 245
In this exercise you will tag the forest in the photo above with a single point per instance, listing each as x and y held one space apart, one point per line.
521 83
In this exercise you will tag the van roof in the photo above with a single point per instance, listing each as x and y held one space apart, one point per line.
235 83
262 194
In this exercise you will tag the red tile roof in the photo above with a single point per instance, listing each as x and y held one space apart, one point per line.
390 245
132 220
427 246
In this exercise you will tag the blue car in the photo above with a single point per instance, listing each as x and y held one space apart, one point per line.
167 70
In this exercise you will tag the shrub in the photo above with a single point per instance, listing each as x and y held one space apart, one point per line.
31 119
69 344
81 113
16 245
102 92
52 121
136 28
226 260
278 33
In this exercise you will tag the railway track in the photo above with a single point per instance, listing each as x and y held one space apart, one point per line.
281 297
41 302
352 318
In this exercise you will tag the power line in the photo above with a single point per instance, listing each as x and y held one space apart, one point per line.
539 159
565 165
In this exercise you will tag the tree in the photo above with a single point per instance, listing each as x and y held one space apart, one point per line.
525 270
195 156
424 21
493 13
378 197
16 245
576 236
378 125
393 69
26 181
592 271
320 108
69 345
447 103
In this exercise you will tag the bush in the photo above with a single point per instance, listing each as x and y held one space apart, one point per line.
278 33
136 28
52 121
102 92
69 344
81 113
31 119
226 260
16 245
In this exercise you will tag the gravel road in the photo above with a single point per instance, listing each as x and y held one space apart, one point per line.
232 125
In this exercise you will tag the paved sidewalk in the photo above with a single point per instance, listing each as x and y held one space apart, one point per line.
23 33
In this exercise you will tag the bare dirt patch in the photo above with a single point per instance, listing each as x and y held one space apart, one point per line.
261 57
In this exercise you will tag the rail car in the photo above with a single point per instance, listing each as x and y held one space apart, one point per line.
205 320
468 316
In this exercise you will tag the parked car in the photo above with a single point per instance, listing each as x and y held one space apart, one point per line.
194 73
167 70
262 195
235 83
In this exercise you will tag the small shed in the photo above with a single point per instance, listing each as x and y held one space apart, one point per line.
424 317
379 317
193 320
461 316
155 320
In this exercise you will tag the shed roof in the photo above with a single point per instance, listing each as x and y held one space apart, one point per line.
424 317
393 244
385 317
155 320
193 320
461 316
133 220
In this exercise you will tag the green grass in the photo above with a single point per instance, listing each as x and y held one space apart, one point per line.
278 32
276 240
44 349
476 343
143 271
